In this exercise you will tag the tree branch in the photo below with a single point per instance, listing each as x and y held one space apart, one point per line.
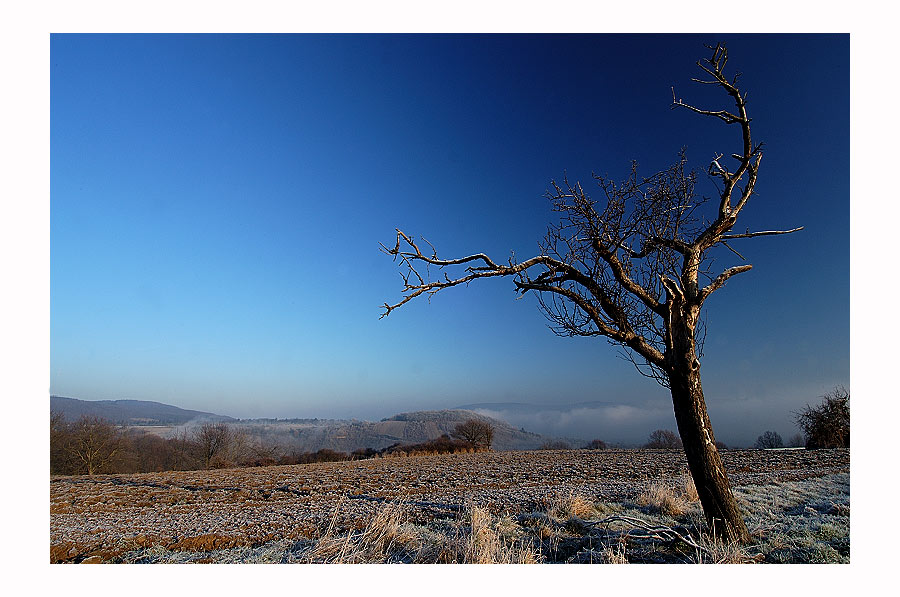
762 233
720 281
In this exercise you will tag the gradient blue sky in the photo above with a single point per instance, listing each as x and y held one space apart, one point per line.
217 203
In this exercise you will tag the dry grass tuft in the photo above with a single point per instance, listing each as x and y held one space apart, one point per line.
563 506
719 552
615 553
484 543
664 499
479 538
387 538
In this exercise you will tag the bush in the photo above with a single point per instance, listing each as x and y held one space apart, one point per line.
597 444
827 425
664 439
768 440
479 433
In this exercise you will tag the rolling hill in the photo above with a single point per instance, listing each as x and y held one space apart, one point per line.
130 412
301 434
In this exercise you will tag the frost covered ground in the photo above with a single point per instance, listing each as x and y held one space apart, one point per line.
542 507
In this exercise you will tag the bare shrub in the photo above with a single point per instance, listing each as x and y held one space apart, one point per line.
478 433
664 439
827 425
768 440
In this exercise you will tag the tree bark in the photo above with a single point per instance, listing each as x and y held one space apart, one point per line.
719 505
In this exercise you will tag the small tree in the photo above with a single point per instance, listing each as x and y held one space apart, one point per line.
663 439
95 444
479 433
827 425
768 440
213 439
597 444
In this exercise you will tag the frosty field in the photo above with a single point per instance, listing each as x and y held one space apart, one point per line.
567 506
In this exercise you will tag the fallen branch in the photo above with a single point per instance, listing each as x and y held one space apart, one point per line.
648 531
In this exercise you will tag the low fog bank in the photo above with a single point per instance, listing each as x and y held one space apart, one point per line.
621 424
737 423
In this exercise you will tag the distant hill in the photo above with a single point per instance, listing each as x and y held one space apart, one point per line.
431 424
130 412
304 434
404 428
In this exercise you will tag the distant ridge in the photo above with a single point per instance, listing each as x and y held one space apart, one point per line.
523 407
303 434
130 412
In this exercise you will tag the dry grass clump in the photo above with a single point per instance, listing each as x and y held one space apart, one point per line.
387 538
563 506
478 538
663 498
614 553
717 551
485 542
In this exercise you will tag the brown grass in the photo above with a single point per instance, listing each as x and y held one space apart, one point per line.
479 538
485 544
386 538
664 499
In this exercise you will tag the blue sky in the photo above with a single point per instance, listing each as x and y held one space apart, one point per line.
217 204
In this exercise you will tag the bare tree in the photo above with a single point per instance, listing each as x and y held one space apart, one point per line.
213 440
95 444
663 439
827 425
636 268
479 433
768 440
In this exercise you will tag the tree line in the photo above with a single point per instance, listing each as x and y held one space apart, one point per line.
92 445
